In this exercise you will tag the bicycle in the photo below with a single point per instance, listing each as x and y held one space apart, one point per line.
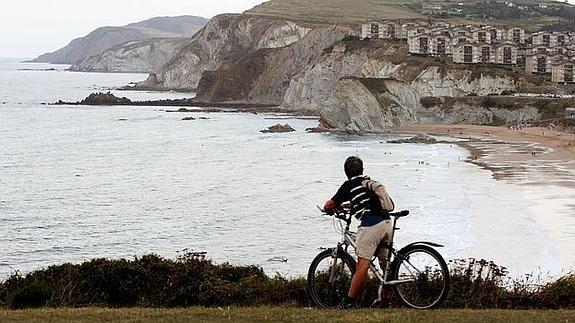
417 273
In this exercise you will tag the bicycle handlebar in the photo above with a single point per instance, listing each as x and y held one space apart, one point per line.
343 214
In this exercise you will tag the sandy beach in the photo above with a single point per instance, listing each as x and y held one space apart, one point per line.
539 165
561 144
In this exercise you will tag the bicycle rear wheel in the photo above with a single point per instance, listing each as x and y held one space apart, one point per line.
329 278
421 276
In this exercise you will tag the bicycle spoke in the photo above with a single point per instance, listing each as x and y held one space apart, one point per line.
428 278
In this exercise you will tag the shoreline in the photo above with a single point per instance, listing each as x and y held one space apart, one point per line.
540 144
537 163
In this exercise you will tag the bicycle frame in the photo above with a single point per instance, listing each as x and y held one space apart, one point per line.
349 240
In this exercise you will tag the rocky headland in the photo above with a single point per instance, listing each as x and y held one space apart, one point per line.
102 39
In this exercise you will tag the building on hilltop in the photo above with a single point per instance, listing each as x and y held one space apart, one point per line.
515 34
466 53
420 44
372 30
506 53
538 63
388 29
551 39
481 35
541 63
562 71
482 44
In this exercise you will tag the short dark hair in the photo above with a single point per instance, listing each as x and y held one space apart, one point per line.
353 167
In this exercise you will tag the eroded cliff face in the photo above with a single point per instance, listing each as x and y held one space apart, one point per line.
222 42
358 106
403 80
265 75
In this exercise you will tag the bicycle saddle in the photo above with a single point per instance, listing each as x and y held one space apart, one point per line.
399 214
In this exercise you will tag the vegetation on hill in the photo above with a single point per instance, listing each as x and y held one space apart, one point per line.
524 13
191 280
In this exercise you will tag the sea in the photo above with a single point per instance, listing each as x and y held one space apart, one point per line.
84 182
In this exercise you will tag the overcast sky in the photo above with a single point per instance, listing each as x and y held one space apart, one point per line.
29 28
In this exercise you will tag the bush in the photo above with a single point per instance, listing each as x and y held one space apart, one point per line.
191 280
561 293
352 38
430 102
150 281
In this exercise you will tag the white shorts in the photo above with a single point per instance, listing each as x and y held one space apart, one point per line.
368 239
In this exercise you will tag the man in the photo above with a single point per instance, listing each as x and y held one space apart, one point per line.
375 225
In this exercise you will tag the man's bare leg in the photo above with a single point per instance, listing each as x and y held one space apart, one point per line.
359 278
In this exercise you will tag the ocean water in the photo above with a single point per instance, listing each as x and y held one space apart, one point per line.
83 182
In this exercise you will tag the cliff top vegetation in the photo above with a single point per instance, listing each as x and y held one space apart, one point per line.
530 14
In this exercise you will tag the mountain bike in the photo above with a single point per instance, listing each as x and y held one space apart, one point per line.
417 274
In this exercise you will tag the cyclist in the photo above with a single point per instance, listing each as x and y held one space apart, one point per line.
376 226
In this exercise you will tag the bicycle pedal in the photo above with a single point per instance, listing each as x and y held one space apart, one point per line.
381 304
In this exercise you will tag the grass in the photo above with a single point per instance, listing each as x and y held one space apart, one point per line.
279 314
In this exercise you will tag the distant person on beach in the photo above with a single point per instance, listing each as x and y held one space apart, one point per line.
376 226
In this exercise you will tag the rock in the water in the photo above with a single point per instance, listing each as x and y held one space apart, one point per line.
104 99
418 139
188 119
317 130
278 128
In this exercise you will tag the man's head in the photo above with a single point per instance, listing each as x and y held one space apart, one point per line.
353 167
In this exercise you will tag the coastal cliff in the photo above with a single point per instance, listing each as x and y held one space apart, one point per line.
105 38
223 42
375 85
145 56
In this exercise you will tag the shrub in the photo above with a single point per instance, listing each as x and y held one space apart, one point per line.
488 102
352 38
191 280
430 102
561 293
150 281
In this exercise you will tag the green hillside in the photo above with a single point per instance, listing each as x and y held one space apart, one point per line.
530 14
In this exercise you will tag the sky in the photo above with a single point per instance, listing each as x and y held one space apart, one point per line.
29 28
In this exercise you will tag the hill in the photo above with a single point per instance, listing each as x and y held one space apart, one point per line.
104 38
530 14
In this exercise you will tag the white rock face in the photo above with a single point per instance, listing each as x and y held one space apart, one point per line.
145 56
224 40
462 113
319 87
354 108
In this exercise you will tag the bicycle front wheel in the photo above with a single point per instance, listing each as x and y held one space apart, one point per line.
421 277
329 277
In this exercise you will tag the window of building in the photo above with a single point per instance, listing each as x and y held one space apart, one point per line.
485 54
481 37
423 45
374 30
441 50
568 73
516 35
507 55
391 31
541 64
467 54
